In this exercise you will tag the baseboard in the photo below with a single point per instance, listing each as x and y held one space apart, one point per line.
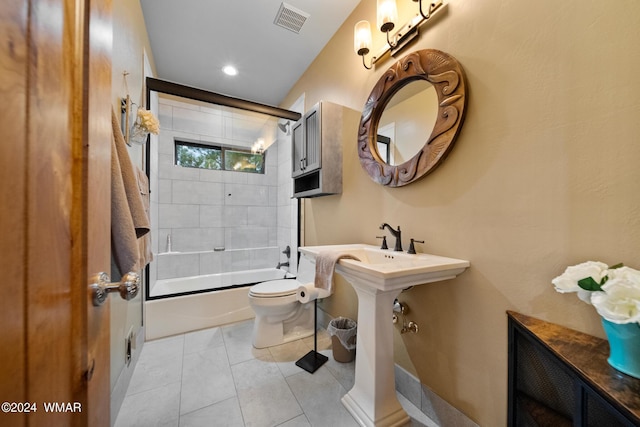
429 403
122 383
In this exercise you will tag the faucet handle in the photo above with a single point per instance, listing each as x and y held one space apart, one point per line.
384 242
412 248
287 251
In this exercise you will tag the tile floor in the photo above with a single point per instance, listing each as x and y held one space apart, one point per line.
215 377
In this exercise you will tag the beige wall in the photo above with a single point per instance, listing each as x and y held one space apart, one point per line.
544 174
130 41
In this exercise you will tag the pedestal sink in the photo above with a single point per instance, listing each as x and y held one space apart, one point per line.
378 277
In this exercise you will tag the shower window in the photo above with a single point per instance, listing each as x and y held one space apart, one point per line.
243 161
193 155
198 156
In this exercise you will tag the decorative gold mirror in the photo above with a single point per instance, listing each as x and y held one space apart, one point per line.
422 98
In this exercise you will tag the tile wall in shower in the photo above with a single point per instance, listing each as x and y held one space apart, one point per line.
247 214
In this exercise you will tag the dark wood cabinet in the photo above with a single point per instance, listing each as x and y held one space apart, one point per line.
560 377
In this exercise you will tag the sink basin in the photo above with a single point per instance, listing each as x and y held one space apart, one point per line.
378 277
388 270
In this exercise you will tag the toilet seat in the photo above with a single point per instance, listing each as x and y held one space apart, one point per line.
274 288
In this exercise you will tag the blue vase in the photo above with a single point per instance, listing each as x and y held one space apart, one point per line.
624 347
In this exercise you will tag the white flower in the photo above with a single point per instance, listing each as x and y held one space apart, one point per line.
625 273
147 121
618 297
568 281
619 300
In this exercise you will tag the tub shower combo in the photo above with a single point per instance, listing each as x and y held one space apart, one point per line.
189 303
222 215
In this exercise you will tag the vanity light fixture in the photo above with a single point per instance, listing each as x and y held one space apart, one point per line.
362 40
387 12
387 16
432 8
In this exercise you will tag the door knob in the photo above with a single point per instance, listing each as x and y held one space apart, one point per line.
127 287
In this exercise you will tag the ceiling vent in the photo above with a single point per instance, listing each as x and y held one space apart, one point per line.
290 18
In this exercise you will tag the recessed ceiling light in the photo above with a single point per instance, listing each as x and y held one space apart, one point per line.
229 70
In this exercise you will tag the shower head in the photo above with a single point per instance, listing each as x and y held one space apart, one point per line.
284 127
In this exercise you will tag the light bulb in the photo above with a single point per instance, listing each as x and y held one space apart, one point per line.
387 15
229 70
362 37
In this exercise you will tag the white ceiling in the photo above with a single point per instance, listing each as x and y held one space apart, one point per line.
192 40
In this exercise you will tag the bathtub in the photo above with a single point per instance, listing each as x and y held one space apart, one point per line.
201 303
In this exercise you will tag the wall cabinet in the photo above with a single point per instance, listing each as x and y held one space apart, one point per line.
307 150
560 377
316 143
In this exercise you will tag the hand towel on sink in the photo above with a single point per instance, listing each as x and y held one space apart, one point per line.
325 266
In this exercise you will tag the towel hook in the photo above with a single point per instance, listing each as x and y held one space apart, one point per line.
125 109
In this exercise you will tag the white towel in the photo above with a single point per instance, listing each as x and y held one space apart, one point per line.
325 266
129 221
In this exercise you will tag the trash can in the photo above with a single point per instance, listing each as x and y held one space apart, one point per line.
343 339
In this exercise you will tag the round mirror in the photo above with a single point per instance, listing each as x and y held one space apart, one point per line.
412 117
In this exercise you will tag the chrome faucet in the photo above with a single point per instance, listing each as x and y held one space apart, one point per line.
282 264
396 234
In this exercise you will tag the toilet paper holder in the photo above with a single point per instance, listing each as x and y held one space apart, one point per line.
308 293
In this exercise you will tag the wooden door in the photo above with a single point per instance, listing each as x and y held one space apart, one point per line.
55 83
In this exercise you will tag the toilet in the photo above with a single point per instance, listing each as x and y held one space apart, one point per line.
280 317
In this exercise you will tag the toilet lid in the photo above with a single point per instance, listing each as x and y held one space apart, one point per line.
275 288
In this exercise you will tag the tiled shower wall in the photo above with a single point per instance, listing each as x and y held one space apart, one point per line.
249 215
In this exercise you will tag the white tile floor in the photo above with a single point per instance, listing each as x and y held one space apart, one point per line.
215 377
